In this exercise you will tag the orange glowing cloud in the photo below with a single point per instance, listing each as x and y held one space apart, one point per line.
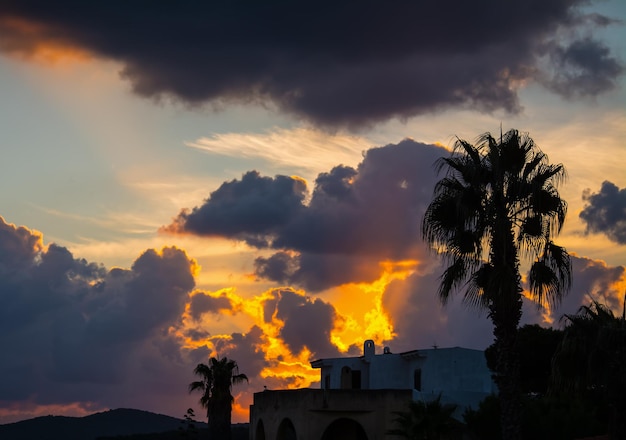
28 40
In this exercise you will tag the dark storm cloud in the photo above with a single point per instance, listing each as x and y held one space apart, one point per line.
334 63
76 330
307 322
605 211
355 219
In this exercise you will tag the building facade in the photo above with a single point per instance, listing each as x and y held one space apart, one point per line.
359 396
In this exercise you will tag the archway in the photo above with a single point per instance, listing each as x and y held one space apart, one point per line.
259 433
344 429
286 431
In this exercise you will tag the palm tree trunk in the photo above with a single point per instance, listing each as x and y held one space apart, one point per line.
505 313
507 376
219 422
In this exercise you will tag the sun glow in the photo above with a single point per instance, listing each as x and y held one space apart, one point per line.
367 318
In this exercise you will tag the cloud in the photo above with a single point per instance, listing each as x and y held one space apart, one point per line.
420 320
594 279
250 209
73 331
202 303
307 322
356 217
300 148
583 68
605 212
247 349
348 64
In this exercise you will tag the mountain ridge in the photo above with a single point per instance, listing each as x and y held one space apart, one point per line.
112 423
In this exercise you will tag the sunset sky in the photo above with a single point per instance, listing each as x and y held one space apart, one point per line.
179 182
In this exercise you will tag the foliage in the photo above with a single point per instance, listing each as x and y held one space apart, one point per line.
545 417
217 379
188 429
592 359
536 345
426 421
562 418
498 202
480 422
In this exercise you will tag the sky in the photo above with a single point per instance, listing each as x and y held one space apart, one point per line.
248 180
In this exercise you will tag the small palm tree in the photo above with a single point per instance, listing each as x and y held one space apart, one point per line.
426 421
497 203
218 377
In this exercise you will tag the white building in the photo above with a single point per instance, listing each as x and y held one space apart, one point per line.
360 396
459 375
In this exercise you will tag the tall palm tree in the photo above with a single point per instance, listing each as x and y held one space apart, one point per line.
497 203
218 377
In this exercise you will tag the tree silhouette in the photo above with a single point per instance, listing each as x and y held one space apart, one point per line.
497 203
217 379
430 420
592 358
536 346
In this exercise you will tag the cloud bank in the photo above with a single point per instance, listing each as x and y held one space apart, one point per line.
355 218
339 65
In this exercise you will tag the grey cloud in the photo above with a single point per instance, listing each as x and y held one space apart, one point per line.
307 322
348 64
421 321
246 349
316 272
605 211
355 218
594 279
80 332
250 209
583 68
202 303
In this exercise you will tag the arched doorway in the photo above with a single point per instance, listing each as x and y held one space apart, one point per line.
259 433
344 429
286 431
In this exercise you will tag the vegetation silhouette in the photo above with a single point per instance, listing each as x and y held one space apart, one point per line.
591 359
497 203
545 414
217 379
536 346
188 429
430 420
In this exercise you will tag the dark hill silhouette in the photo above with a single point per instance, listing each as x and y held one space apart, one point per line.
113 423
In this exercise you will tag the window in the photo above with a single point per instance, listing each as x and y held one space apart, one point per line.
356 379
417 379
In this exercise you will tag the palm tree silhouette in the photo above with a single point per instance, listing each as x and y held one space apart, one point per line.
218 377
498 202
